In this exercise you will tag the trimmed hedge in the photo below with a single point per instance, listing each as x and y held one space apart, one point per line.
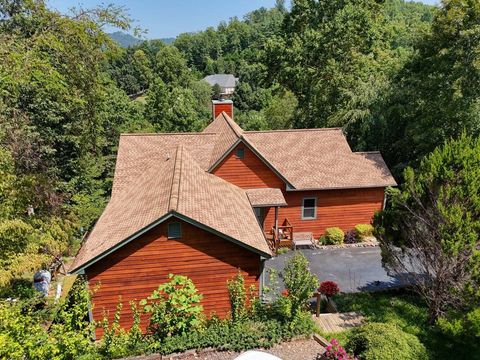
225 335
332 236
363 230
383 341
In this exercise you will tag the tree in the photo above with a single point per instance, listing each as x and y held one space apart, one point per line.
172 67
431 230
172 109
56 119
328 55
217 92
279 113
436 96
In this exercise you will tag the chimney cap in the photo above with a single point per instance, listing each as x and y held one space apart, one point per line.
222 101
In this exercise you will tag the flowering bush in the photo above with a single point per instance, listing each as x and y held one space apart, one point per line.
336 352
328 288
285 293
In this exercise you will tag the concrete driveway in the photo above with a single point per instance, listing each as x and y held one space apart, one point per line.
353 269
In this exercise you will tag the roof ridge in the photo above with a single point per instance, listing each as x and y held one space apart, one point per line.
229 121
177 173
291 130
169 133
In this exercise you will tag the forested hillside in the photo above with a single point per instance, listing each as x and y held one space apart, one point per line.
398 77
391 74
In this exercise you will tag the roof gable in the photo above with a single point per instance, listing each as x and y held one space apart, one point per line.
228 134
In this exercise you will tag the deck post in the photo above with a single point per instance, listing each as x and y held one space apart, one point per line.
276 222
319 302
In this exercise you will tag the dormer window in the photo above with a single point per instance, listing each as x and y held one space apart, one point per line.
240 153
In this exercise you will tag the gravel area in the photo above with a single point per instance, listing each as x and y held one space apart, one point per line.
292 350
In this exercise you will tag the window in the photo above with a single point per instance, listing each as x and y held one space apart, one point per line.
240 153
309 208
174 230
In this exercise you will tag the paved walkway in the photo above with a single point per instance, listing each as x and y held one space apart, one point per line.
353 269
338 322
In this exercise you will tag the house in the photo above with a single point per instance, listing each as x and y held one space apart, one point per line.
207 204
227 82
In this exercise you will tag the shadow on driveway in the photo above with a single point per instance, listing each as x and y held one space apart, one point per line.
353 269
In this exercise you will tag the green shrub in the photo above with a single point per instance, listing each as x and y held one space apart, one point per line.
235 336
238 297
375 341
299 282
363 231
282 250
116 341
23 334
174 307
333 236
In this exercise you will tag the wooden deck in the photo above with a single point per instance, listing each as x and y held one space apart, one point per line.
333 323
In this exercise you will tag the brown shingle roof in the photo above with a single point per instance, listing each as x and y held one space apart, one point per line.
137 152
228 132
319 159
173 184
266 197
160 173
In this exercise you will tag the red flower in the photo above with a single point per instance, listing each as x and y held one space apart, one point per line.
328 288
285 293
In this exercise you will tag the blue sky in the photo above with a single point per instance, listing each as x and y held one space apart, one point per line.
168 18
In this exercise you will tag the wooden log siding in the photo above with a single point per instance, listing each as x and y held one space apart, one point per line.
247 173
342 208
135 270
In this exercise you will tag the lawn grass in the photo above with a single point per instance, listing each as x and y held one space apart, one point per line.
408 312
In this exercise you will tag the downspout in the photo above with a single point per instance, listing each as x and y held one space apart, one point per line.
384 199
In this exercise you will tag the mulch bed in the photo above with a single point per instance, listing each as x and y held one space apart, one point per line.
305 349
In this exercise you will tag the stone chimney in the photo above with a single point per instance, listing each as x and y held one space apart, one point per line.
222 105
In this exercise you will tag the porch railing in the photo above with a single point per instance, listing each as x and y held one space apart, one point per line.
283 235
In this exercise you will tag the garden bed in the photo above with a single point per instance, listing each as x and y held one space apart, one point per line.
364 244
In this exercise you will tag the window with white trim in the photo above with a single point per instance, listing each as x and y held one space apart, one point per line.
174 230
309 208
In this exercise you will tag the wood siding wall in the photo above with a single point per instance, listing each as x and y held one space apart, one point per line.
135 270
247 173
342 208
